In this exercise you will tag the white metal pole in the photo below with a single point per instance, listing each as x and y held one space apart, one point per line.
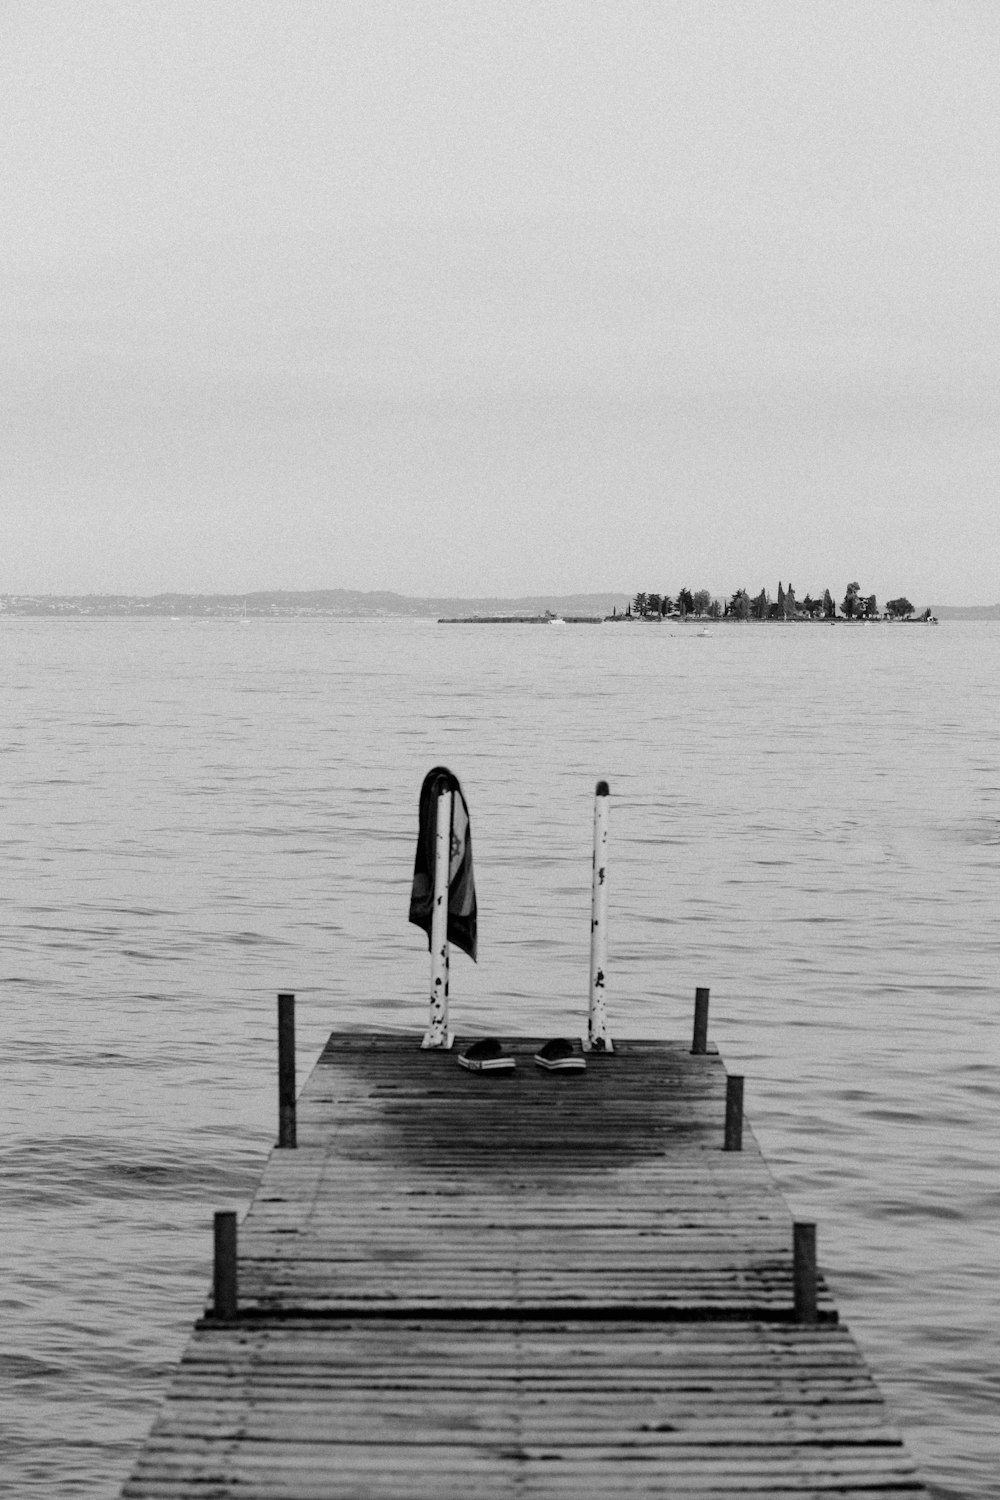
597 1038
437 1032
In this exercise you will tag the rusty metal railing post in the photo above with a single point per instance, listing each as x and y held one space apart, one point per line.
436 1034
597 1038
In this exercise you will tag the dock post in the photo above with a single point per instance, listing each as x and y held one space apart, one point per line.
804 1272
597 1038
734 1112
699 1045
437 1030
224 1290
286 1070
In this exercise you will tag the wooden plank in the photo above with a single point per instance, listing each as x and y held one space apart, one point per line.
418 1184
316 1408
460 1286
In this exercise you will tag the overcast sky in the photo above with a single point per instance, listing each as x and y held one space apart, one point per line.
501 296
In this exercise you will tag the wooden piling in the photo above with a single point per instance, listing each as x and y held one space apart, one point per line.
804 1272
286 1071
699 1045
224 1285
734 1112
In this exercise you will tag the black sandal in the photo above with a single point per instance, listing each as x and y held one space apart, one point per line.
486 1056
558 1056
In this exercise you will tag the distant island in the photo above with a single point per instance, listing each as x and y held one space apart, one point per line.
856 606
359 604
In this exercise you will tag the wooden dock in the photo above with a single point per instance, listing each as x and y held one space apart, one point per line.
535 1285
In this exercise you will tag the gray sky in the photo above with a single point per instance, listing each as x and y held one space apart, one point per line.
500 297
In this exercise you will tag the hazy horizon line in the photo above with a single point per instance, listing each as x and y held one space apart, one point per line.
537 594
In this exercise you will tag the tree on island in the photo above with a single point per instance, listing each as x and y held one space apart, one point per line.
656 605
851 601
685 602
701 600
739 605
761 606
899 609
829 608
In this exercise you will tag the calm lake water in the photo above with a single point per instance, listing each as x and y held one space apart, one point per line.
199 814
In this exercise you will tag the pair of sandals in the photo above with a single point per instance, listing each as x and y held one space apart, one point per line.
487 1056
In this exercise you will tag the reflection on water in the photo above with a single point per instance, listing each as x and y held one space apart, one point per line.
199 816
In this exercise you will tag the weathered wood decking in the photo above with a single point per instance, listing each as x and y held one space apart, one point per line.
539 1285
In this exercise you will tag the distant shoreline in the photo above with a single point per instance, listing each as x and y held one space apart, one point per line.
357 604
303 604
